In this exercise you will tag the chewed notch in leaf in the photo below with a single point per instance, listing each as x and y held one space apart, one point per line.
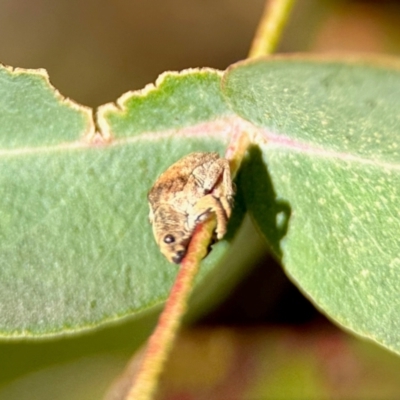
34 114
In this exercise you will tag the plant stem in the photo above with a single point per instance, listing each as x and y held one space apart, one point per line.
161 341
236 150
270 28
163 338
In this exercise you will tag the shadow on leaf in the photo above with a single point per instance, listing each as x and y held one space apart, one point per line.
270 214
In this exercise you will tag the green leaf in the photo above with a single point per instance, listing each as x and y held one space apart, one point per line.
33 114
178 100
76 247
322 185
325 186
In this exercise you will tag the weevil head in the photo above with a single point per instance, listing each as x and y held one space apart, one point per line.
170 232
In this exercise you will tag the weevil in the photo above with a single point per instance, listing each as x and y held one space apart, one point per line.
184 195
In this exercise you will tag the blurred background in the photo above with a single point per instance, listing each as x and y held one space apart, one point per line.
96 50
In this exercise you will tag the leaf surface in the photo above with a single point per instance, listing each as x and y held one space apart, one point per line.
322 184
331 157
76 246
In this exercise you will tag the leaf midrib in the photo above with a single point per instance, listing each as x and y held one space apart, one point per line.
287 143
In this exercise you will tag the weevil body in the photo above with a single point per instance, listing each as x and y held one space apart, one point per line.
184 195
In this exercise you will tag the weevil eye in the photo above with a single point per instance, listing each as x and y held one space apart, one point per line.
169 239
178 257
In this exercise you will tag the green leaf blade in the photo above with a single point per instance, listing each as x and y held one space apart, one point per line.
76 245
33 114
178 100
314 102
328 137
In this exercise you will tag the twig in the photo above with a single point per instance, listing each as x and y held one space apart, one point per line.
161 341
270 28
236 150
